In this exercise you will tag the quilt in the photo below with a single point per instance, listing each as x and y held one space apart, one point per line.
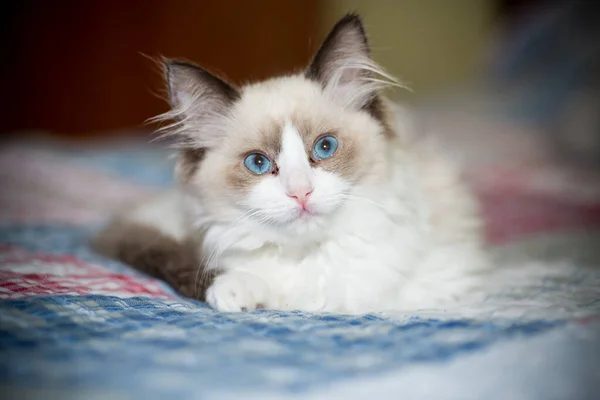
76 325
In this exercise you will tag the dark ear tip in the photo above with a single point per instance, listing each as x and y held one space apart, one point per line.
350 22
352 19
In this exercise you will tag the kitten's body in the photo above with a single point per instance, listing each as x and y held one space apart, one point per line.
382 224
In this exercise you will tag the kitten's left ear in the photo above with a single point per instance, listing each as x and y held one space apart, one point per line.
344 68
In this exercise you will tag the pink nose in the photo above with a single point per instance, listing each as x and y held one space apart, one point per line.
301 196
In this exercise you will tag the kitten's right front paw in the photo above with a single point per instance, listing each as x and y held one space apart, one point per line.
235 291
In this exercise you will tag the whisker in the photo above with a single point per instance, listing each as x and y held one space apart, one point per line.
396 217
354 197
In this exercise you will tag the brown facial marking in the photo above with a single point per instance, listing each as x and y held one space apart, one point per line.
346 162
343 162
268 142
270 138
239 178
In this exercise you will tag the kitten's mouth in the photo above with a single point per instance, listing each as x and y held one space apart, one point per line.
304 214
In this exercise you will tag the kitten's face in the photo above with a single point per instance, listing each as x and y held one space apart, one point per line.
290 158
288 152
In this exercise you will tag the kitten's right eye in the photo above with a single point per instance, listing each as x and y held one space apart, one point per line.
258 163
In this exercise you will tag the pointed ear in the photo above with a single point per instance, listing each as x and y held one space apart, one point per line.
343 65
200 101
193 86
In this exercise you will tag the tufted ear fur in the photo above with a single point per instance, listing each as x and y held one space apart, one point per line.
344 68
200 101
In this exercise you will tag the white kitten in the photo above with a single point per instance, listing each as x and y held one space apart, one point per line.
304 192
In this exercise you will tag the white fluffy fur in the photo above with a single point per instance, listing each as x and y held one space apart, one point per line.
406 239
402 233
379 253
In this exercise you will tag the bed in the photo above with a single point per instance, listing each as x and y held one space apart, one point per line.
76 325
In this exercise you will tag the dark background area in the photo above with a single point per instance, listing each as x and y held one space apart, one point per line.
77 68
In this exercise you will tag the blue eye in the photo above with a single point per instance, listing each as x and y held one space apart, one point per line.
258 163
325 147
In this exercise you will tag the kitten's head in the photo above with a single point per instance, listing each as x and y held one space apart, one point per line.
288 152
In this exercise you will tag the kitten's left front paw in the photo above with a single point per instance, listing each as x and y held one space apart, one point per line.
236 291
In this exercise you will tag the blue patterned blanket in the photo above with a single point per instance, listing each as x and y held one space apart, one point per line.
76 325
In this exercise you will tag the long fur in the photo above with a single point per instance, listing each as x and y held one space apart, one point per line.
385 224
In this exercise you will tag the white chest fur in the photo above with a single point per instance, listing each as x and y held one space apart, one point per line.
363 264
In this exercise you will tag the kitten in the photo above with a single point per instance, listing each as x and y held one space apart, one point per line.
304 192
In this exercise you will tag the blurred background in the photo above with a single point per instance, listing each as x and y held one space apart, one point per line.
81 69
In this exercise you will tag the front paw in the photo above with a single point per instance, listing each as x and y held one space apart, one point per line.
235 291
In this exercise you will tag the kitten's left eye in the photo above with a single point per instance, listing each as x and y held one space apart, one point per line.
258 163
325 147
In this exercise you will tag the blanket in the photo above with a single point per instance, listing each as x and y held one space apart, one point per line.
76 325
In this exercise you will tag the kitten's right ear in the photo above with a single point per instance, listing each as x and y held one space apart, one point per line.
199 103
194 88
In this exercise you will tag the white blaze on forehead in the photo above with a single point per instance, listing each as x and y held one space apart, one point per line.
294 168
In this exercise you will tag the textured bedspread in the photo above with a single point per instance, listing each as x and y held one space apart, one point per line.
76 325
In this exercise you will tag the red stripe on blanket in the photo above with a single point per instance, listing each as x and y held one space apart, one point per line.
511 216
23 274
